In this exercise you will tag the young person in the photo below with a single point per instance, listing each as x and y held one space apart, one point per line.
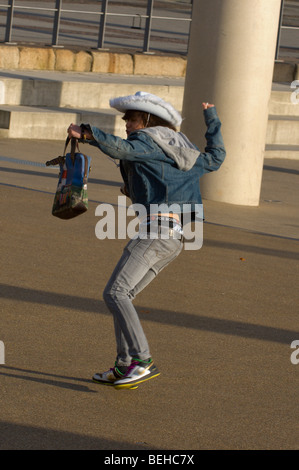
159 166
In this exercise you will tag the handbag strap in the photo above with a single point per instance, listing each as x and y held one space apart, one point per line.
85 168
66 144
61 159
74 147
56 161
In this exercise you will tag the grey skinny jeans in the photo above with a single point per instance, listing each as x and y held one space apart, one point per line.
141 261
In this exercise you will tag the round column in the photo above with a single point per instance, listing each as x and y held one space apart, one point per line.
230 63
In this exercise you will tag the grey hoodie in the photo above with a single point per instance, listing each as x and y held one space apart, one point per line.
175 145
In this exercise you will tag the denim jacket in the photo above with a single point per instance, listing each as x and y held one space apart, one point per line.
161 166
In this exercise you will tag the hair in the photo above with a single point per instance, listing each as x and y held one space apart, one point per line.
149 120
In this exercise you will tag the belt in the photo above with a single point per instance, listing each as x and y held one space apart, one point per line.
161 226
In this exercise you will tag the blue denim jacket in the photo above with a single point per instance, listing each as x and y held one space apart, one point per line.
154 175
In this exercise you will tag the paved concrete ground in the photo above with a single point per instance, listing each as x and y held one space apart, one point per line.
220 321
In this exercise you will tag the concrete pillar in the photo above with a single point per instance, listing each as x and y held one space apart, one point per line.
230 64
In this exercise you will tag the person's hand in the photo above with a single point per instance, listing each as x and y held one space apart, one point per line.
74 131
207 105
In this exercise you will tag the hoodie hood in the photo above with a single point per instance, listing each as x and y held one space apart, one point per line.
175 145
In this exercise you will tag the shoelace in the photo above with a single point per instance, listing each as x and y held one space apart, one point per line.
131 366
117 372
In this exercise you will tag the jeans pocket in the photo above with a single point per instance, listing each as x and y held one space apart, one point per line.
161 249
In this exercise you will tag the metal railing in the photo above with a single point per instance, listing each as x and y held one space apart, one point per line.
103 15
282 27
96 21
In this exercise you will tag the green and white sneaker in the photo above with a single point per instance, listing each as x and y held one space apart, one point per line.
139 371
110 376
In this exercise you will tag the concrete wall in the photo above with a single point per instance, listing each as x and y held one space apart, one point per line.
37 58
47 58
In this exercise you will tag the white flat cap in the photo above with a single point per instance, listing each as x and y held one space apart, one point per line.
148 103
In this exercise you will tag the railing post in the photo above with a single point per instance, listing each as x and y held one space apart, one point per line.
56 24
138 16
279 30
9 20
148 25
2 353
101 38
